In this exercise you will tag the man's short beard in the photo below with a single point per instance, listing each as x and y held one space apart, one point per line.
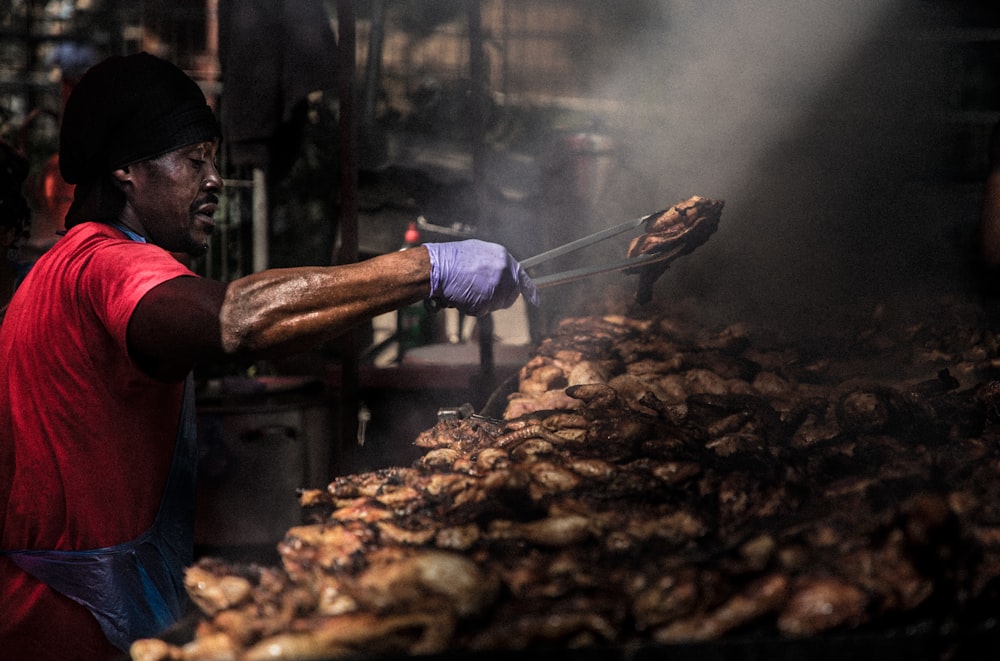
198 251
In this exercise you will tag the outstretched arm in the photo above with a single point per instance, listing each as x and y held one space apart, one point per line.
282 311
274 312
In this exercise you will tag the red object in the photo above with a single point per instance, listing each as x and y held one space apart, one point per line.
412 236
86 438
51 197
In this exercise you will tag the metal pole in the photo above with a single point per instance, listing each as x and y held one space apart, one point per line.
373 65
259 213
346 48
477 74
349 406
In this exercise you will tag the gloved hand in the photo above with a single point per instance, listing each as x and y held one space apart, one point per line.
477 277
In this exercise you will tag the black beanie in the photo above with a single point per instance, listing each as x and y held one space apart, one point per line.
127 109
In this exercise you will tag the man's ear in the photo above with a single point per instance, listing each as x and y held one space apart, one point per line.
122 175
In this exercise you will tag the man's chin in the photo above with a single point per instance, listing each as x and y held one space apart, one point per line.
187 255
198 250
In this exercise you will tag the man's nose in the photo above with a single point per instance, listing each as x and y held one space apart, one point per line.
213 181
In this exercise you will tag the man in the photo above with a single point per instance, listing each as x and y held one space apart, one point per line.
96 351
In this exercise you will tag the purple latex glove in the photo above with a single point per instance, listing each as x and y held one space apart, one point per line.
477 277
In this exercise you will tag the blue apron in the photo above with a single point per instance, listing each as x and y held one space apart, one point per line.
134 589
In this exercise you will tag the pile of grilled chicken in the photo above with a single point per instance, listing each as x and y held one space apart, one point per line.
648 484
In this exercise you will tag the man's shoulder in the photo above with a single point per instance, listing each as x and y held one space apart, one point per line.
83 236
97 236
90 229
97 250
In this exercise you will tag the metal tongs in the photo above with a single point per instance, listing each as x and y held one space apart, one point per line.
573 275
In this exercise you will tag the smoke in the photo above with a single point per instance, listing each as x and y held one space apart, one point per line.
814 122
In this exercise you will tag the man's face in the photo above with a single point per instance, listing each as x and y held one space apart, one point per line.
173 198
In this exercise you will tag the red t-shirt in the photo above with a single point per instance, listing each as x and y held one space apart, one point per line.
86 437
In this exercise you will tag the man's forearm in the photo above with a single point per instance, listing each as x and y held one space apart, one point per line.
282 310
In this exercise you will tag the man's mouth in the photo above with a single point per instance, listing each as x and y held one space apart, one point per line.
206 213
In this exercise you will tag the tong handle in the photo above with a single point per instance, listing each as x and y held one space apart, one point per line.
585 241
546 281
